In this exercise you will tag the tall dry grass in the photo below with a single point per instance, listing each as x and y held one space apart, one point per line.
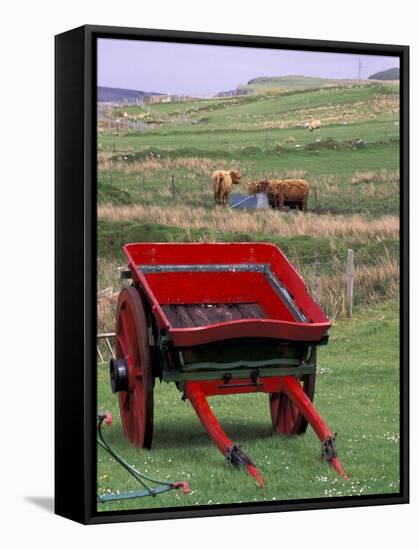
153 163
372 283
384 176
107 277
356 226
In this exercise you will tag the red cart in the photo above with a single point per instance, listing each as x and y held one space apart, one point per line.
218 319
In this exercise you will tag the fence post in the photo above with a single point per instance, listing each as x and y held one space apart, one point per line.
315 196
350 282
173 186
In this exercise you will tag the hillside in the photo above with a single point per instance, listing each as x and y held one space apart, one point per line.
389 74
121 95
296 82
339 106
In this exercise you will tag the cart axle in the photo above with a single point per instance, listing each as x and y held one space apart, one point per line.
118 375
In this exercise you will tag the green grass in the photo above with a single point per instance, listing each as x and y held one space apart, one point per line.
106 192
303 83
292 82
241 112
357 393
206 140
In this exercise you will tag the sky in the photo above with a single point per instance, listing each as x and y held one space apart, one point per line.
205 70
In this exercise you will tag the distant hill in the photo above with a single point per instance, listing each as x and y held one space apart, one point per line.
288 83
389 74
121 95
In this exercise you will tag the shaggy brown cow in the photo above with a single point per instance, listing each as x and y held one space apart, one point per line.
294 192
290 192
222 183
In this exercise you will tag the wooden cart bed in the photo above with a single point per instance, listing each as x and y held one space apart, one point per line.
201 315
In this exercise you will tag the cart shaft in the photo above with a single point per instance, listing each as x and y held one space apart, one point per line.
197 392
295 392
233 454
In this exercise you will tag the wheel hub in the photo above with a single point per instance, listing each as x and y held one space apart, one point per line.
118 375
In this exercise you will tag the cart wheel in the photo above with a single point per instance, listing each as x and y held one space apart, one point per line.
134 383
286 417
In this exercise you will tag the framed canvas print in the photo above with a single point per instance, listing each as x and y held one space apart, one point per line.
231 274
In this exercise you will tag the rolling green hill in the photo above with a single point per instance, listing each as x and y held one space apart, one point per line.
297 82
263 84
338 106
389 74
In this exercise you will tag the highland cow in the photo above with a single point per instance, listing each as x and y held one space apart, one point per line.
288 192
222 183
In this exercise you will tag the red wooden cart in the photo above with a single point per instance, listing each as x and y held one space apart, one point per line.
218 319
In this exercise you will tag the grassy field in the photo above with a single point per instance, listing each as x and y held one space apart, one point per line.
154 169
357 392
155 184
340 105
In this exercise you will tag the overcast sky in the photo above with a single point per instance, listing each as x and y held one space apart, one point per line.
205 70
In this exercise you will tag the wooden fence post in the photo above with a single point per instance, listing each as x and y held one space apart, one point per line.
350 282
173 186
315 196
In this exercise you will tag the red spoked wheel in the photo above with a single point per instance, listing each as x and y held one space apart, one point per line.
131 372
286 417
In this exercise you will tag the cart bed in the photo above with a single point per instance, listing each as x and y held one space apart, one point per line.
203 293
200 315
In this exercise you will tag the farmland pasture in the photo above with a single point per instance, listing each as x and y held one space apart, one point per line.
343 105
154 185
212 141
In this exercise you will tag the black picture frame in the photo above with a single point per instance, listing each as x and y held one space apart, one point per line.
75 272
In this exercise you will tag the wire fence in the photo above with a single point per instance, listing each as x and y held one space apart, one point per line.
344 198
